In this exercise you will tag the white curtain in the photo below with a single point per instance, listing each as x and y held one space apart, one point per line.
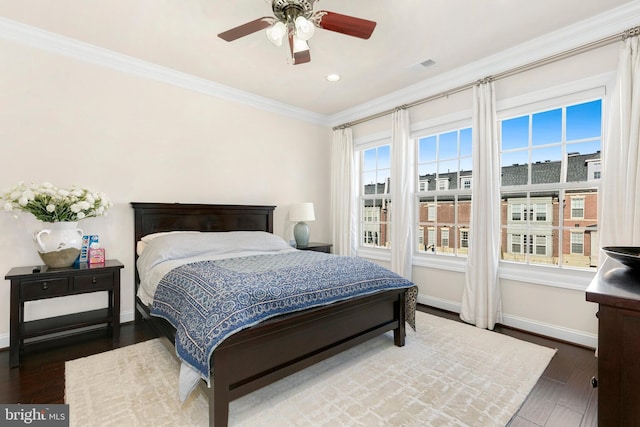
343 212
402 178
620 204
481 302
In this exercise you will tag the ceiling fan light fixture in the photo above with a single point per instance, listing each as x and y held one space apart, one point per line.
304 28
299 45
276 33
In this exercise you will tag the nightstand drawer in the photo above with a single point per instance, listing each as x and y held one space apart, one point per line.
44 288
93 281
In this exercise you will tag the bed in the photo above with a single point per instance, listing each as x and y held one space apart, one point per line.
277 347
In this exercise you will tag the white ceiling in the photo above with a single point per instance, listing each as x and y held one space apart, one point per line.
182 35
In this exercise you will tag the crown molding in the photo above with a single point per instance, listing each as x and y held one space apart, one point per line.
609 23
51 42
580 34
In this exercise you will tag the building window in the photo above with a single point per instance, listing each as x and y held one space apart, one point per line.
375 197
516 243
431 212
443 184
577 208
517 210
431 240
464 238
423 184
594 169
444 237
550 170
541 245
577 243
540 210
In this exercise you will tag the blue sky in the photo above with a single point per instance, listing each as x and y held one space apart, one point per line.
439 153
583 121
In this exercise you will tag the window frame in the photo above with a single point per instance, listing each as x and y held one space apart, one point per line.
360 146
570 93
431 258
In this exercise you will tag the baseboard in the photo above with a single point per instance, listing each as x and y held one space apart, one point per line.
553 331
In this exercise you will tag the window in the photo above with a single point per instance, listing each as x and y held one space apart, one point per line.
444 204
423 184
443 184
464 239
540 210
516 243
577 208
444 237
431 212
375 176
577 243
431 240
550 171
594 168
516 211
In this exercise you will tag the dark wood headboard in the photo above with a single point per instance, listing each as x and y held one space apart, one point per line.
158 217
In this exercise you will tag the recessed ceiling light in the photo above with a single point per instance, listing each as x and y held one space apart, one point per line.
333 77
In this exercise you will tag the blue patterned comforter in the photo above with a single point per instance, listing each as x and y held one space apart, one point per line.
207 301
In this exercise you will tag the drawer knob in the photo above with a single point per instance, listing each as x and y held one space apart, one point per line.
94 280
45 286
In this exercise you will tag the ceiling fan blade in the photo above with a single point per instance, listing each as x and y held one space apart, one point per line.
346 24
246 29
300 53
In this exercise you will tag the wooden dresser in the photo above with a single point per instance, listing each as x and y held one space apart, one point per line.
616 289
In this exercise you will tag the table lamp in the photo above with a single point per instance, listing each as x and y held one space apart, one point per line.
301 212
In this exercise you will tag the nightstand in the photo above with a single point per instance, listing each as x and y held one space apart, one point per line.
318 247
28 284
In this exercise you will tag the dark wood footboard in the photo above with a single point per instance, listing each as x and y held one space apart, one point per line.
277 348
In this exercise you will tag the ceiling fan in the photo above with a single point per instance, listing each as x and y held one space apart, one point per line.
296 20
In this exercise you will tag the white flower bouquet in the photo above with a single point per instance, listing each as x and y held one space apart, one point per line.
50 204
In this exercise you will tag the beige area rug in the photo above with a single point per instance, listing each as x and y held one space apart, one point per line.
447 374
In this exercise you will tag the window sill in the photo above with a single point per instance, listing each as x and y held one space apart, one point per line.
566 278
441 262
377 254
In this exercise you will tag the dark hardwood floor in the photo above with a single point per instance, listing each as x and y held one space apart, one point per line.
563 395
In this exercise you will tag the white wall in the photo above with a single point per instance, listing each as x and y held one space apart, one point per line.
550 310
73 123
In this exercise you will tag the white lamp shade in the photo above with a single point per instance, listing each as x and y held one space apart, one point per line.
302 212
276 33
299 45
304 28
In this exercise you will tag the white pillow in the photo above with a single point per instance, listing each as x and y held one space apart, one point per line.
150 237
171 246
140 245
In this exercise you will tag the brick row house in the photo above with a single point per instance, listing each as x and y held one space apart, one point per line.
541 227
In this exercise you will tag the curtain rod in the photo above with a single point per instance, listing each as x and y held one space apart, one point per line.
508 73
